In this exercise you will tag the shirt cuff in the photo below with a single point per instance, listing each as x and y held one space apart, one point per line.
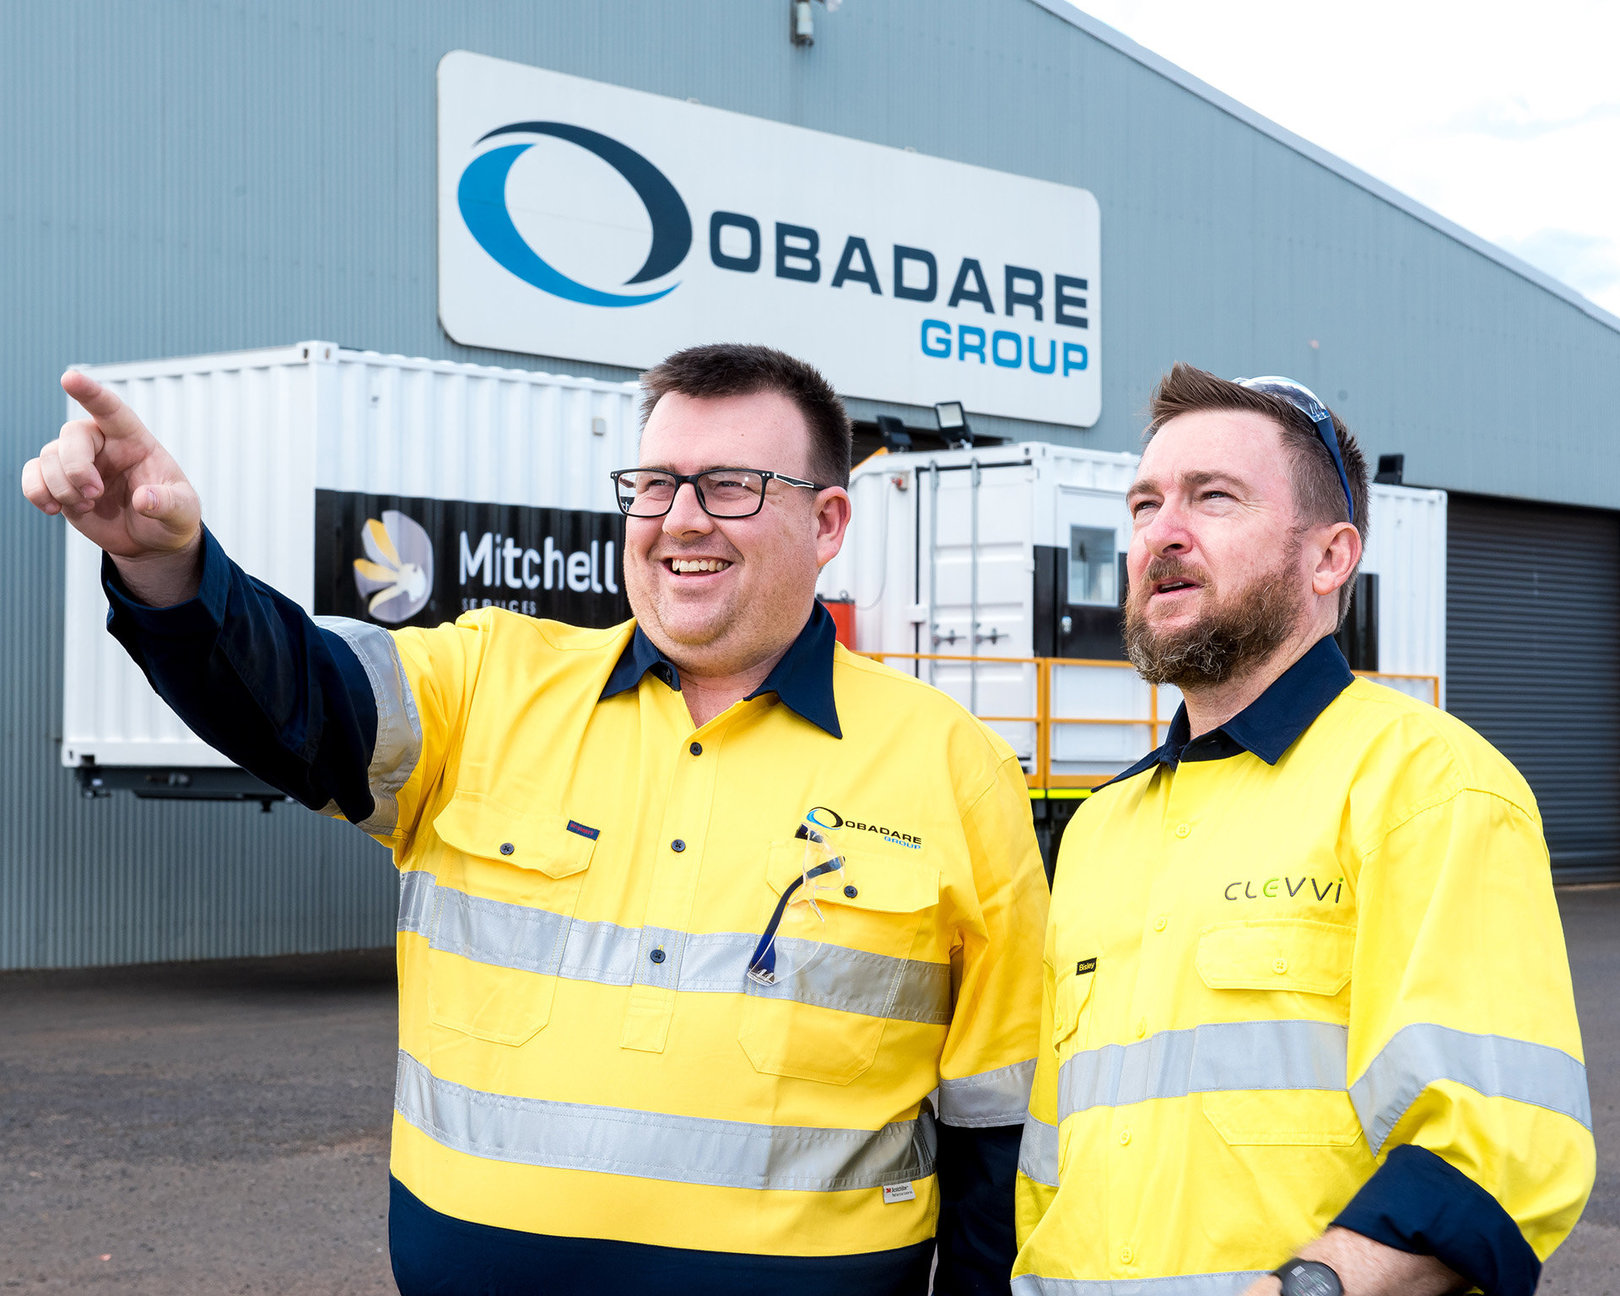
1419 1203
202 613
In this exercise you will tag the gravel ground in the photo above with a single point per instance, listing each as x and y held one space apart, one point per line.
200 1128
223 1127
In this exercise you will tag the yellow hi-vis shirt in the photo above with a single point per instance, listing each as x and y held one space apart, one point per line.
1305 969
585 879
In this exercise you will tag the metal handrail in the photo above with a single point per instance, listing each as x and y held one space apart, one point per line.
1041 775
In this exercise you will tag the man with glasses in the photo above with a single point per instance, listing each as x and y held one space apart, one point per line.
1308 1025
703 919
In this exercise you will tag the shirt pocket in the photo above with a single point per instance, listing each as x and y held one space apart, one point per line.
1071 1004
508 885
1285 975
842 977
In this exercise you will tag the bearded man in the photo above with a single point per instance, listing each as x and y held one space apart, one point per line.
1307 1020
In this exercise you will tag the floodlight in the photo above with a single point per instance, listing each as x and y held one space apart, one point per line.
953 424
893 432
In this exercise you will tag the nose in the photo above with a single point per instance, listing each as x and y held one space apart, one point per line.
686 515
1165 532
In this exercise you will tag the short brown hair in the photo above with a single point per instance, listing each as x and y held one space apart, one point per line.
737 369
1318 496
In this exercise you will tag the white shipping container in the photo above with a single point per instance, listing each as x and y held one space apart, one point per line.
1013 556
259 433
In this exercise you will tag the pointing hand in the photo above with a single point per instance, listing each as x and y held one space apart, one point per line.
114 482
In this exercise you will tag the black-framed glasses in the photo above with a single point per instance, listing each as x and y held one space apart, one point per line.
721 492
1305 401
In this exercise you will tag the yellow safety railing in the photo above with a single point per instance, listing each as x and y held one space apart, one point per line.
1040 777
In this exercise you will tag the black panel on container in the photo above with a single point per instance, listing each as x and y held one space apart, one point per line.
1095 632
1047 560
1358 636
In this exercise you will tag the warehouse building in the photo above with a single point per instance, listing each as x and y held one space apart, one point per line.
1000 203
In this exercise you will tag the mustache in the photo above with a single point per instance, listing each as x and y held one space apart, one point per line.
1163 569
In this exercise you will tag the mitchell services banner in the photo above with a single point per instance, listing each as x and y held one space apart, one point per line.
407 561
586 221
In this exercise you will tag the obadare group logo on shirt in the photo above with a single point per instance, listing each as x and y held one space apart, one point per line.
585 221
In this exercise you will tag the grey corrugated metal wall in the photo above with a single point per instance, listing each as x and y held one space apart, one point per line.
1531 617
193 177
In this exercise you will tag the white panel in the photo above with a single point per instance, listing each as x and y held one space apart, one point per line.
437 430
258 432
1407 550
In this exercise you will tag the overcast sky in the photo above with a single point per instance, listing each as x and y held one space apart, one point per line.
1505 119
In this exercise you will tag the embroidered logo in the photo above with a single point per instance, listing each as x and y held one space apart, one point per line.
823 817
1329 892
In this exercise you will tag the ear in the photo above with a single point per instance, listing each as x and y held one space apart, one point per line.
831 522
1337 554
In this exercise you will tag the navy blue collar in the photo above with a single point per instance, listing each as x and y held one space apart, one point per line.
802 680
1269 725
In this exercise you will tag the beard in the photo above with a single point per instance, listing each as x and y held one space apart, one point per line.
1235 635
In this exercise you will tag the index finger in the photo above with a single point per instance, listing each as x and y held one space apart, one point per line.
105 406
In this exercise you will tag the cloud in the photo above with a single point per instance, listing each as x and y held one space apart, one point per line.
1589 263
1512 119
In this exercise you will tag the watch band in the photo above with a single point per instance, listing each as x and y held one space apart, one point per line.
1308 1278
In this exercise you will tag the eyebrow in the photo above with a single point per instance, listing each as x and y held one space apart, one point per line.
1194 478
675 472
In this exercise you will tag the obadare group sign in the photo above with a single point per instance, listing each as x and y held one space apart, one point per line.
586 221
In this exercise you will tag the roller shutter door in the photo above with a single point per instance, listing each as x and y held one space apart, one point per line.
1533 661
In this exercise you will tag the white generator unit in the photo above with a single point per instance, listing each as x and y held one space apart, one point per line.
375 486
998 574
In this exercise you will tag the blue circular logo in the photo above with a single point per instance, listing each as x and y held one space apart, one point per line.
481 196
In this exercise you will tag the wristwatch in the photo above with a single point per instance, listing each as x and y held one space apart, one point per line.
1308 1278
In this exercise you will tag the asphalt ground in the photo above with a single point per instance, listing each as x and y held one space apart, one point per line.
223 1127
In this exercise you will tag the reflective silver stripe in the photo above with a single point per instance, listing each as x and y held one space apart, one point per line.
999 1097
508 935
399 729
1215 1056
1038 1152
1214 1284
415 902
656 1145
1493 1065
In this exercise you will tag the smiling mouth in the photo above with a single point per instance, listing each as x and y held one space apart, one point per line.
696 566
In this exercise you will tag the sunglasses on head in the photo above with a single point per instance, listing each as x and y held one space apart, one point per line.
1304 400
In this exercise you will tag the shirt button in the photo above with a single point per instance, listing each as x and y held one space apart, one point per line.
677 845
1183 829
1159 924
1141 1028
1126 1255
657 956
507 848
851 892
1124 1138
696 749
1280 966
